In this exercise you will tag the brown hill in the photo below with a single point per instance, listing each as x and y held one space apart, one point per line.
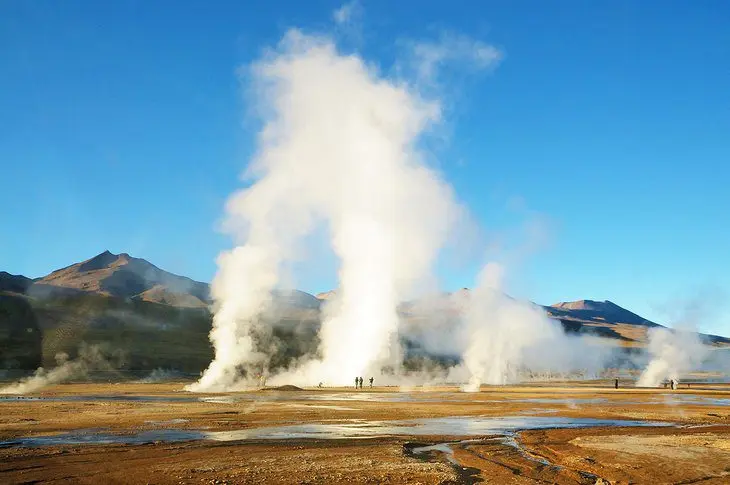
598 311
14 283
122 276
157 319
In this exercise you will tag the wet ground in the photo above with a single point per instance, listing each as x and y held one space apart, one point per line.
450 426
554 433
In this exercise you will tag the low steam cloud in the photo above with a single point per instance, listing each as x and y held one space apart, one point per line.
672 354
90 358
675 352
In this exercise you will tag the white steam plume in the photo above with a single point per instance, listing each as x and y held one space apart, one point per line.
673 352
338 148
509 339
90 357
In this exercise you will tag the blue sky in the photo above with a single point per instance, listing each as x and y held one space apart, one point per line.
607 125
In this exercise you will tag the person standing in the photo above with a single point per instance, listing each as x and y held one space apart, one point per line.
616 383
357 381
361 382
371 381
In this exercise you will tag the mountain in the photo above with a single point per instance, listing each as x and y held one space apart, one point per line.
122 276
597 311
146 317
14 283
150 318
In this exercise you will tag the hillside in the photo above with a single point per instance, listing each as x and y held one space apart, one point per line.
597 311
122 276
20 335
607 319
142 334
14 283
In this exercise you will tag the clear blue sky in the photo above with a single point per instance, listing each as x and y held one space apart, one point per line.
121 128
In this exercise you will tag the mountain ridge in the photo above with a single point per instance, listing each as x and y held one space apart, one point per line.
158 319
599 310
122 276
131 279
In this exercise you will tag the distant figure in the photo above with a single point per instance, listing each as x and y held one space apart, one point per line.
616 383
371 381
674 384
361 379
357 381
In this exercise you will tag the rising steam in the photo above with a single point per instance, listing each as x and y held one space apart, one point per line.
674 352
510 340
338 149
338 153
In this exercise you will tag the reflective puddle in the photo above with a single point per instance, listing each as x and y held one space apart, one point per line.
451 426
692 399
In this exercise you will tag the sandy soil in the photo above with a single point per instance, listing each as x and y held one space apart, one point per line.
696 450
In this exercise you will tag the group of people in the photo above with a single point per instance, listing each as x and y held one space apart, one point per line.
672 383
358 382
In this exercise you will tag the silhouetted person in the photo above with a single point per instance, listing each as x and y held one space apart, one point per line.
357 381
616 384
361 379
674 385
371 381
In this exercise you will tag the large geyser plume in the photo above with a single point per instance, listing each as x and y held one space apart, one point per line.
338 149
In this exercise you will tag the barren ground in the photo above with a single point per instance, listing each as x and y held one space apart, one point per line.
695 449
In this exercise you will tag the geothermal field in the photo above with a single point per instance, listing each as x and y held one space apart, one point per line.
113 370
556 432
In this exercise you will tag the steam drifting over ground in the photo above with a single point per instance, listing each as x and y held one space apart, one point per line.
90 358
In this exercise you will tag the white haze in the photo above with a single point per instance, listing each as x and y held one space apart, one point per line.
160 375
509 340
674 352
89 358
339 148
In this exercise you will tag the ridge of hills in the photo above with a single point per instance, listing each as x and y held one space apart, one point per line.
154 318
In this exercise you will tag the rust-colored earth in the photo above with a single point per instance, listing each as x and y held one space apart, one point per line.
695 448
